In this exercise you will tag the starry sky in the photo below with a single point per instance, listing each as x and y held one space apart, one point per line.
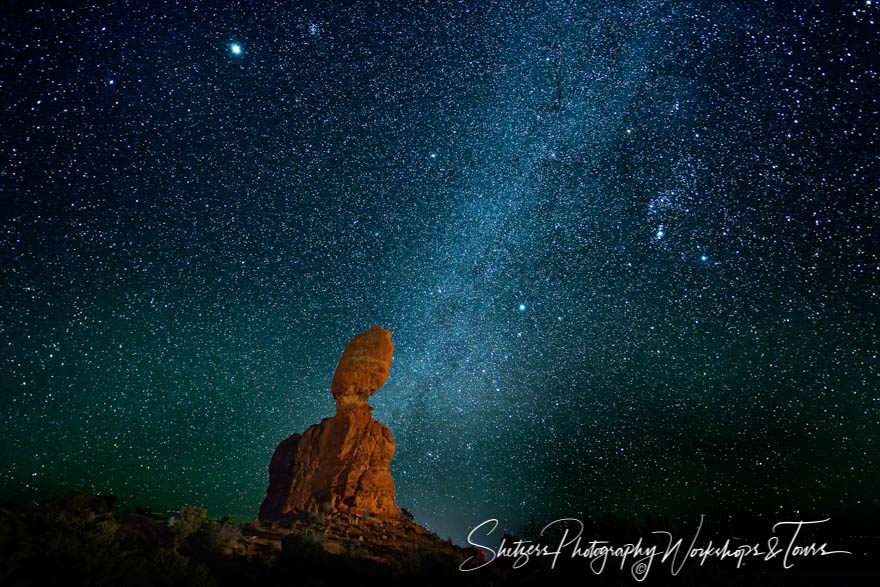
629 251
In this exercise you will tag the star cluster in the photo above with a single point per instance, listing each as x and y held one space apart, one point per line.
628 251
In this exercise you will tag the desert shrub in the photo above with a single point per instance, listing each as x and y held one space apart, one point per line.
221 535
51 548
178 569
306 551
303 543
426 567
187 522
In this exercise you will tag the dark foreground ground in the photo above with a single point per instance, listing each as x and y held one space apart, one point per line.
78 540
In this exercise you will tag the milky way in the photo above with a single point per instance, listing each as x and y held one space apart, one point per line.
628 252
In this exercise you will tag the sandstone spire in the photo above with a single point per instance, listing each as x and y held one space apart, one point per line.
342 464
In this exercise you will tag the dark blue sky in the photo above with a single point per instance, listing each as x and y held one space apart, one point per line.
628 252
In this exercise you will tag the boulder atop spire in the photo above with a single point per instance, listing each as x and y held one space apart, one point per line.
343 464
362 369
334 480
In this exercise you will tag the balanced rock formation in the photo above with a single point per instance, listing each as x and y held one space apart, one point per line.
343 464
362 369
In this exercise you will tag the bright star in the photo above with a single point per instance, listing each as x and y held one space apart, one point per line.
704 258
235 48
522 307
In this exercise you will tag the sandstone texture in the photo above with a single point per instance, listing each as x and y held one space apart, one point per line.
343 464
363 368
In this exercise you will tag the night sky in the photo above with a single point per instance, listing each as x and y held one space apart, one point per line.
629 252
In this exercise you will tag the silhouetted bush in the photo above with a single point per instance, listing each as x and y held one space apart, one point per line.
54 547
221 535
188 520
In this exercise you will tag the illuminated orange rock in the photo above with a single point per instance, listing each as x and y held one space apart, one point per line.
363 368
343 464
